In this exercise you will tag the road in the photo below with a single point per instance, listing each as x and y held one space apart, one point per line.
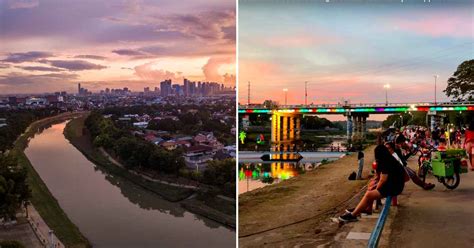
436 218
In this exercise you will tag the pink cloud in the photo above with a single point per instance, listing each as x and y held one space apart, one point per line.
148 73
439 25
211 69
299 40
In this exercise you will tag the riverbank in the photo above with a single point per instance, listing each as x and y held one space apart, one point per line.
42 199
77 135
298 211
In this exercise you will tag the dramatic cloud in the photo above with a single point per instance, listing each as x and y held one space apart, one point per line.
26 83
74 65
96 57
114 42
128 52
147 72
39 68
209 25
26 57
211 68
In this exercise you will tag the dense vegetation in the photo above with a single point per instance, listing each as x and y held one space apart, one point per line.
135 152
14 190
17 121
192 119
461 84
132 151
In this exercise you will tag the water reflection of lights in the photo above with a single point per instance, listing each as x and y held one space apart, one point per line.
277 170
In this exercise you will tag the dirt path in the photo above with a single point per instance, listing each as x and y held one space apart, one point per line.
437 218
310 199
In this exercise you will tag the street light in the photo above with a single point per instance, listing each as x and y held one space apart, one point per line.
286 95
386 87
435 77
306 93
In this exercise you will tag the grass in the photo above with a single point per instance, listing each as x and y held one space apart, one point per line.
76 134
44 202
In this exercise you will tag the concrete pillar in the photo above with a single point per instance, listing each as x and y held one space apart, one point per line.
292 128
278 125
433 122
364 126
349 127
298 128
354 126
285 128
274 128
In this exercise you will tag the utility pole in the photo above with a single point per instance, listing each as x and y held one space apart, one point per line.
248 94
306 93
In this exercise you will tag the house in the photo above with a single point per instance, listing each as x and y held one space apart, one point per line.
153 139
142 124
169 145
196 157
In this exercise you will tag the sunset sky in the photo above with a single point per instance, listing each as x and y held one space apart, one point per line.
349 51
51 45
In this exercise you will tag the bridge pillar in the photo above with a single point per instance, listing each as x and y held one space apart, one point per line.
292 128
278 126
274 128
349 127
285 128
298 128
359 125
364 126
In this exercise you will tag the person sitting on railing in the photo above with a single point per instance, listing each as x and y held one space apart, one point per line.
395 150
391 183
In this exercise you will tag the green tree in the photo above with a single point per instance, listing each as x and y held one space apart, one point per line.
461 84
14 190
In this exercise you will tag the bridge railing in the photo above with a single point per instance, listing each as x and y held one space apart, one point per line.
377 232
356 105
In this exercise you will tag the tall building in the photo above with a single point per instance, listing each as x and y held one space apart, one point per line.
165 87
79 89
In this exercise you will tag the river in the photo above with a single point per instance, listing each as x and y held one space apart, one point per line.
113 212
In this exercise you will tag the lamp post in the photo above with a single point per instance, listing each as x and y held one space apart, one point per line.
306 93
286 95
435 77
386 87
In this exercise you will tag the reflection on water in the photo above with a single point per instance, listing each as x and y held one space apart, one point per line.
111 211
257 175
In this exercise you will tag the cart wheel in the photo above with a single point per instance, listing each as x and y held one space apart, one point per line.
452 182
423 171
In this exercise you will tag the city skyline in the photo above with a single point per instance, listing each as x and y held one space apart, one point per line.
342 55
51 46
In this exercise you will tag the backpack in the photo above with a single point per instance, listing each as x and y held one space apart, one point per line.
352 176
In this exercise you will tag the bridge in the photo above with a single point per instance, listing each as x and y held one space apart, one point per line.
286 119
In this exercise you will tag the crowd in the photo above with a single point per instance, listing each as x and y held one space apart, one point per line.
394 148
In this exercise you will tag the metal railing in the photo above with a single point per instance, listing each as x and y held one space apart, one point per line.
356 105
375 235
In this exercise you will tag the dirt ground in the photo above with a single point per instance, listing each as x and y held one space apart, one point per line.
297 212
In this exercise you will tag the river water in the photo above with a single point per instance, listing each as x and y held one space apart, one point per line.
110 211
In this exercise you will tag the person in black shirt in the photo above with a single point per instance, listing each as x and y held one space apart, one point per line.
360 159
391 183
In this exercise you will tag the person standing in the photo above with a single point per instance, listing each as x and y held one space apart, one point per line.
360 159
469 143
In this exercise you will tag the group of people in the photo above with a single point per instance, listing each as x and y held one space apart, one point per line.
391 170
